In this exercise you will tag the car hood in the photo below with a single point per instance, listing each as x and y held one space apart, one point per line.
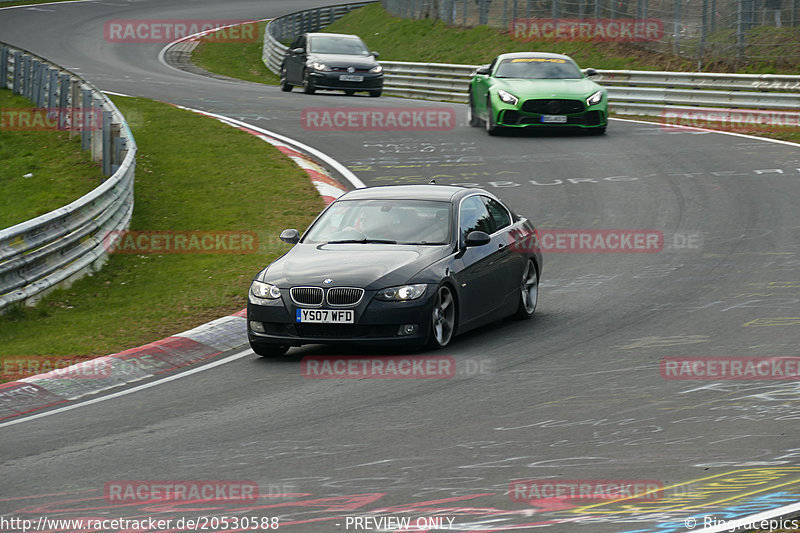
525 89
341 60
371 266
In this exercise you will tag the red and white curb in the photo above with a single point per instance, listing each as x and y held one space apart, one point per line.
67 384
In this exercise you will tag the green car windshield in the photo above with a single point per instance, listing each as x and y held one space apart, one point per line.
531 68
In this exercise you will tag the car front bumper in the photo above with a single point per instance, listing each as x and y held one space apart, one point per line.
376 322
330 80
516 116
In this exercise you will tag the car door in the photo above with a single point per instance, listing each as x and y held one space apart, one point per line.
479 265
480 88
509 265
295 62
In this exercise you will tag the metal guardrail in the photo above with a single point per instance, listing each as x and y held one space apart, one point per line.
286 28
65 244
629 91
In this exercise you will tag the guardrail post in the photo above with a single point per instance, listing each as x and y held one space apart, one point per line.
115 148
74 111
63 102
41 93
17 84
87 119
96 141
3 67
36 81
26 76
52 86
106 143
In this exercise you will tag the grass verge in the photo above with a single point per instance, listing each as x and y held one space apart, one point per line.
240 60
58 171
193 173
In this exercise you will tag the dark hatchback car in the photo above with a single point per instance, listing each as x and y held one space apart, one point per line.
331 61
409 265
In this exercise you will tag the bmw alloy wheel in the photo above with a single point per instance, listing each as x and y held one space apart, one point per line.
443 318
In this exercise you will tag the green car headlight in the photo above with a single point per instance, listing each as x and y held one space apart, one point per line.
595 99
265 290
507 97
401 294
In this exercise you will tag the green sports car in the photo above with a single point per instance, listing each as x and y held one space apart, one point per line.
536 89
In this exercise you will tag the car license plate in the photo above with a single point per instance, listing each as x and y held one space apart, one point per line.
350 77
554 119
325 316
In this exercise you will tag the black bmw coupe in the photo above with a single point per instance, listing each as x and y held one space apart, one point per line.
409 265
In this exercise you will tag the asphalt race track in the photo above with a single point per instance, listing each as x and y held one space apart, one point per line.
576 395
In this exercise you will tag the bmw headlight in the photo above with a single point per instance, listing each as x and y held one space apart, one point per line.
376 69
319 66
507 97
595 99
260 289
401 294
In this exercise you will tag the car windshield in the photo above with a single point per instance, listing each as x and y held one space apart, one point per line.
382 221
337 45
538 68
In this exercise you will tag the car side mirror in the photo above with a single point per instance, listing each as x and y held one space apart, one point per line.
290 236
477 238
483 71
590 72
298 51
374 53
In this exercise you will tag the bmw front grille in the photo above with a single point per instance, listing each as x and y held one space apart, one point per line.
307 295
336 296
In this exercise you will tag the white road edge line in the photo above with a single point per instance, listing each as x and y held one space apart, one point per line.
707 130
209 366
48 4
